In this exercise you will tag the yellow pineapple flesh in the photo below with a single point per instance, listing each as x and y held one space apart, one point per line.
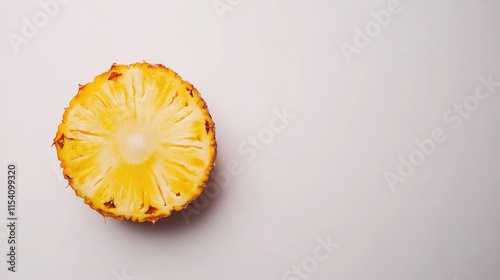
137 143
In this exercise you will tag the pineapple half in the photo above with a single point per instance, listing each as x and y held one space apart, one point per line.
137 143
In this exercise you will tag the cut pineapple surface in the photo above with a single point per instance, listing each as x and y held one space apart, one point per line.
137 143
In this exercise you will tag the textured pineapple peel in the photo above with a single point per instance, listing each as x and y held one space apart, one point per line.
137 143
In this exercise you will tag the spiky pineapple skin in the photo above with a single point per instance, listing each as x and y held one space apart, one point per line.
100 206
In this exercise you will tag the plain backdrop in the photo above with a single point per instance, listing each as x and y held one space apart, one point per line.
322 176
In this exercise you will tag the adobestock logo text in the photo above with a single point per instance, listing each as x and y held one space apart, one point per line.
454 117
373 28
310 264
31 26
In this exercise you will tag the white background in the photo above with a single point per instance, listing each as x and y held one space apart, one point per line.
322 176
